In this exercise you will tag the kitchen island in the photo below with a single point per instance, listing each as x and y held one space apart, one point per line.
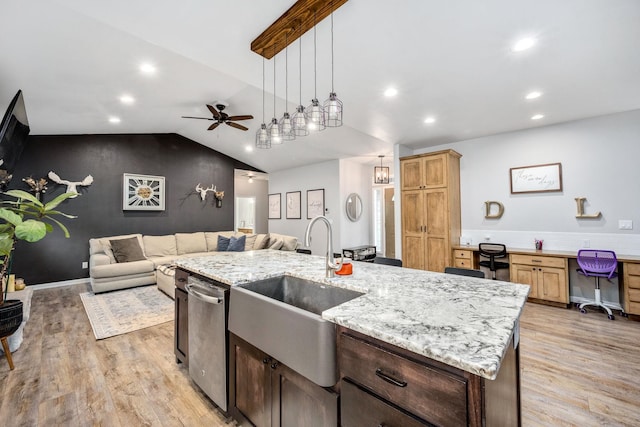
463 327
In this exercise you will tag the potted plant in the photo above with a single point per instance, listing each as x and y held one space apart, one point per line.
28 219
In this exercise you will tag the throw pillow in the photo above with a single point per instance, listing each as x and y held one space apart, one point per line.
237 244
223 243
250 242
127 250
275 243
264 243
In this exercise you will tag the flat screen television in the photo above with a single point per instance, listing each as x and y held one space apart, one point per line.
13 136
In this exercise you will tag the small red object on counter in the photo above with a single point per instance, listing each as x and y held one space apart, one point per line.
346 269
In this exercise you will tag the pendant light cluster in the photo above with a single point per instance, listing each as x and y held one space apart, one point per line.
314 118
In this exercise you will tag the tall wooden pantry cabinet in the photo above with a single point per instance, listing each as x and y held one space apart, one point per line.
430 187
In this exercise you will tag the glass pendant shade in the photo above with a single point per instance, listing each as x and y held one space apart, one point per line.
315 112
262 137
333 111
286 128
273 129
381 174
300 122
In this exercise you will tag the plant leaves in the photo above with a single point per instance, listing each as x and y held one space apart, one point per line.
6 245
55 202
61 225
20 194
10 216
31 230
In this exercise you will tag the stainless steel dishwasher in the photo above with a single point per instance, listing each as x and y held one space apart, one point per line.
208 307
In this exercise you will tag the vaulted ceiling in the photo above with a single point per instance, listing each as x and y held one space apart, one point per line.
451 60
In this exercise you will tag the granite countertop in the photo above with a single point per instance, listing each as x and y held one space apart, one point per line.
461 321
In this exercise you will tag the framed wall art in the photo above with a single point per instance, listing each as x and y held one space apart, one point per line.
142 192
315 203
536 179
274 206
293 205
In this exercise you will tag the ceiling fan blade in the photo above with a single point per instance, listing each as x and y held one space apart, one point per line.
213 126
237 126
236 118
201 118
213 110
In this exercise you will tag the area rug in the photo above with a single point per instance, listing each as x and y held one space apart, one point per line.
119 312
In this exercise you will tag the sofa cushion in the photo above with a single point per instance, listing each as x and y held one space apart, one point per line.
118 270
191 242
160 245
160 260
250 242
289 243
275 243
103 245
236 244
212 238
127 250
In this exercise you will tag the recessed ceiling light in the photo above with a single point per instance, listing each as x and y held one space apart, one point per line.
114 119
392 91
523 44
429 120
533 95
248 148
147 68
127 99
537 117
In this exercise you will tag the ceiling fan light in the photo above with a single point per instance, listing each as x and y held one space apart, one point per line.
273 129
315 112
300 122
286 128
262 137
333 111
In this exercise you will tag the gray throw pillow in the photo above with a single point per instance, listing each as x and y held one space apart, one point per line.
236 244
264 244
223 243
127 250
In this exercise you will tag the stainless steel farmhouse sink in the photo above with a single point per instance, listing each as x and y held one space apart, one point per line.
281 316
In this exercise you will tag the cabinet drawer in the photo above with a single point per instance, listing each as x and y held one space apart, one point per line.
362 409
432 394
634 307
462 254
462 263
542 261
632 268
634 295
632 281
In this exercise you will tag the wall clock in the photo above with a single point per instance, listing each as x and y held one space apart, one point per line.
142 192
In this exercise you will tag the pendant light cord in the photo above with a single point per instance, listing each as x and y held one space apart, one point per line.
315 57
275 48
300 63
263 89
332 47
286 72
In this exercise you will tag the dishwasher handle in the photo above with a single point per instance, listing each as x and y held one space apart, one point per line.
191 290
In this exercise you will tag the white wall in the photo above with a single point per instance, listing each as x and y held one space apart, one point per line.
312 177
355 178
599 159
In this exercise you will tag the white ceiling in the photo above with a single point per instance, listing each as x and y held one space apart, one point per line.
450 59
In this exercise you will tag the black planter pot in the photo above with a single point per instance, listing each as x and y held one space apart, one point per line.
10 317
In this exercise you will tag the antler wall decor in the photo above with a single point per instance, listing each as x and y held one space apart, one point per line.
203 191
219 195
37 186
72 186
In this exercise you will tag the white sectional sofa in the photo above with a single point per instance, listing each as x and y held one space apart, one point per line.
158 252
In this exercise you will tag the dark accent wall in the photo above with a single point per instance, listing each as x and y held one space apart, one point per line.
183 162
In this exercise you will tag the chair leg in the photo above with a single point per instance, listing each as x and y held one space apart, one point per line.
597 302
7 353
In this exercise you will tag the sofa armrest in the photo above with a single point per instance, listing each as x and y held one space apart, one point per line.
99 259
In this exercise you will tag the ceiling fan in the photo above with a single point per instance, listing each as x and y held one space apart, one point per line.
219 116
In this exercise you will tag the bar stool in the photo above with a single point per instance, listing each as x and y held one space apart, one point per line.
493 251
597 263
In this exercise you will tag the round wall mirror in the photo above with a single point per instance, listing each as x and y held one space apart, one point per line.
354 206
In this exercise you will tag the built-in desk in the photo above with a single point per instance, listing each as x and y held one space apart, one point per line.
547 272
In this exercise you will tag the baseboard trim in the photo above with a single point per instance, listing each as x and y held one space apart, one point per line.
60 284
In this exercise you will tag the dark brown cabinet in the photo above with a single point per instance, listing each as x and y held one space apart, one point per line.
181 335
263 392
385 385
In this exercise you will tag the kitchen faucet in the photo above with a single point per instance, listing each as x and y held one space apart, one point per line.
330 266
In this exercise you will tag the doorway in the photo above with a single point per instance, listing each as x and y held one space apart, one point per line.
383 221
245 217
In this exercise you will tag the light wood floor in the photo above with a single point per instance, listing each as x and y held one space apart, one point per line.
577 370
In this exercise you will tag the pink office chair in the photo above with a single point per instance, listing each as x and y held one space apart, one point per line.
597 263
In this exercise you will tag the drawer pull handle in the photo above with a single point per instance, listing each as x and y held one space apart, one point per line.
390 379
536 260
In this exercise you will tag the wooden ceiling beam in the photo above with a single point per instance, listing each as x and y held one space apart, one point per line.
292 25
